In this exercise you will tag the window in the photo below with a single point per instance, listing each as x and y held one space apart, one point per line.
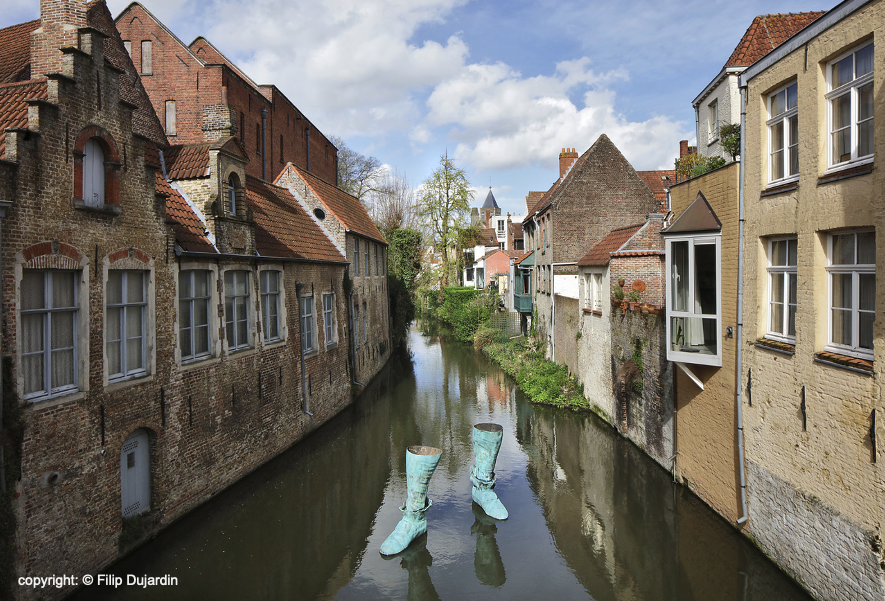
500 228
125 324
782 289
146 58
713 122
231 193
329 317
193 306
356 256
593 284
269 286
501 245
170 118
368 270
365 323
307 342
128 46
694 307
376 259
236 309
49 318
783 133
356 326
852 290
93 174
850 100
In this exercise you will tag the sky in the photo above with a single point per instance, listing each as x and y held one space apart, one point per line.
500 86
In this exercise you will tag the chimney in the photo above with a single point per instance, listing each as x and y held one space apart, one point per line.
508 234
567 158
60 21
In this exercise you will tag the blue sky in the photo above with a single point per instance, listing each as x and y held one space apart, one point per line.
501 86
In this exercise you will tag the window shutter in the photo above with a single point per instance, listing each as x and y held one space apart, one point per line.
146 58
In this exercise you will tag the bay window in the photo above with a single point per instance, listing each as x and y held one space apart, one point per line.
782 290
850 100
783 133
851 269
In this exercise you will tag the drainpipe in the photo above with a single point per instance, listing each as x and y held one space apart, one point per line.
4 204
264 143
299 286
740 315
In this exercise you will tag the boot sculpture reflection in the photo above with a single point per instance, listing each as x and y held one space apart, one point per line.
486 444
420 464
487 562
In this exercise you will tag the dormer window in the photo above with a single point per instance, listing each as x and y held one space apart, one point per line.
231 194
96 172
93 174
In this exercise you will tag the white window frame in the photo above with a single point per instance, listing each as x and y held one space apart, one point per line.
785 119
127 306
187 303
232 316
329 317
593 290
788 271
694 240
856 270
231 196
713 122
851 87
270 304
308 332
47 311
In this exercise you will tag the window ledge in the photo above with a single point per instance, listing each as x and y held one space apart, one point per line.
126 382
46 403
591 311
275 343
780 188
777 346
845 171
332 346
310 354
106 209
189 364
861 366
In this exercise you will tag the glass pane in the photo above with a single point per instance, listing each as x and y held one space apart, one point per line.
842 146
229 310
201 283
679 275
133 354
865 138
242 334
135 287
792 96
62 368
114 366
866 329
63 289
777 288
241 278
842 111
864 61
777 103
184 314
274 327
32 289
274 281
867 285
843 249
794 146
184 284
791 253
777 318
791 297
115 287
201 313
32 368
185 342
842 327
32 335
843 71
133 322
842 290
705 279
231 340
791 321
693 335
228 282
777 136
866 248
201 340
865 102
779 253
777 165
62 333
241 308
113 323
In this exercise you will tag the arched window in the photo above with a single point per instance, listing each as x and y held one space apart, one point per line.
135 474
93 174
231 194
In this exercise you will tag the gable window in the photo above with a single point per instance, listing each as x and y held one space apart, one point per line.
713 122
694 304
269 285
93 174
125 324
170 118
193 307
231 193
782 289
236 309
307 335
329 317
850 101
49 319
783 133
851 271
146 58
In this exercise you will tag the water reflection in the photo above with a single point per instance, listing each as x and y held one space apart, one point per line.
590 515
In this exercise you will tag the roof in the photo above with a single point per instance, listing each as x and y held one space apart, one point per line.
766 33
190 231
14 109
601 253
282 226
486 237
15 51
510 253
187 162
526 259
698 217
531 200
653 179
490 201
346 208
516 229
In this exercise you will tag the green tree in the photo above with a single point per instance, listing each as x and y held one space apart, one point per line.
730 139
403 265
444 206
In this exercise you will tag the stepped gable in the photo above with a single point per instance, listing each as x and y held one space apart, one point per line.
766 33
15 52
14 108
346 208
190 231
187 161
283 228
601 253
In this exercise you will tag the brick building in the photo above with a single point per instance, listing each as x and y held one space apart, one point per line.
170 321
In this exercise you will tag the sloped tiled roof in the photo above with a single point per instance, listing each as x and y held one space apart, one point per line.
346 208
487 237
657 185
766 33
531 200
509 253
187 162
523 257
600 254
698 217
283 228
14 109
15 51
190 231
516 229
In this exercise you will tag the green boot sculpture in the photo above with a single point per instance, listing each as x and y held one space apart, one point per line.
420 464
486 444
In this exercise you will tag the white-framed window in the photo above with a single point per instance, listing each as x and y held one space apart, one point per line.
236 309
93 174
713 121
356 256
194 302
850 101
851 271
782 289
593 291
231 193
49 320
329 317
783 133
269 288
694 307
125 336
307 335
500 228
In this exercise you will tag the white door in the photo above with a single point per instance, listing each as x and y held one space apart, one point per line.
135 474
93 174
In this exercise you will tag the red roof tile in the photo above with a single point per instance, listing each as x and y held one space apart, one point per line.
766 33
190 231
346 208
531 200
187 162
523 257
516 229
15 51
283 228
657 185
14 109
510 253
600 254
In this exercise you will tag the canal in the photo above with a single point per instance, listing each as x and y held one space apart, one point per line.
591 517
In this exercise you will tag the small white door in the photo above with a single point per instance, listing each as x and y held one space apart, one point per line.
93 174
135 474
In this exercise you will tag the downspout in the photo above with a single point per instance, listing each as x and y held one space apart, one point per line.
4 204
299 286
740 315
264 143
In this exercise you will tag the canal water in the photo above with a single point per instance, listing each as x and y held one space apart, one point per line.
591 517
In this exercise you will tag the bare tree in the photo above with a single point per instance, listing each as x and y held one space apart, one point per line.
357 173
393 203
